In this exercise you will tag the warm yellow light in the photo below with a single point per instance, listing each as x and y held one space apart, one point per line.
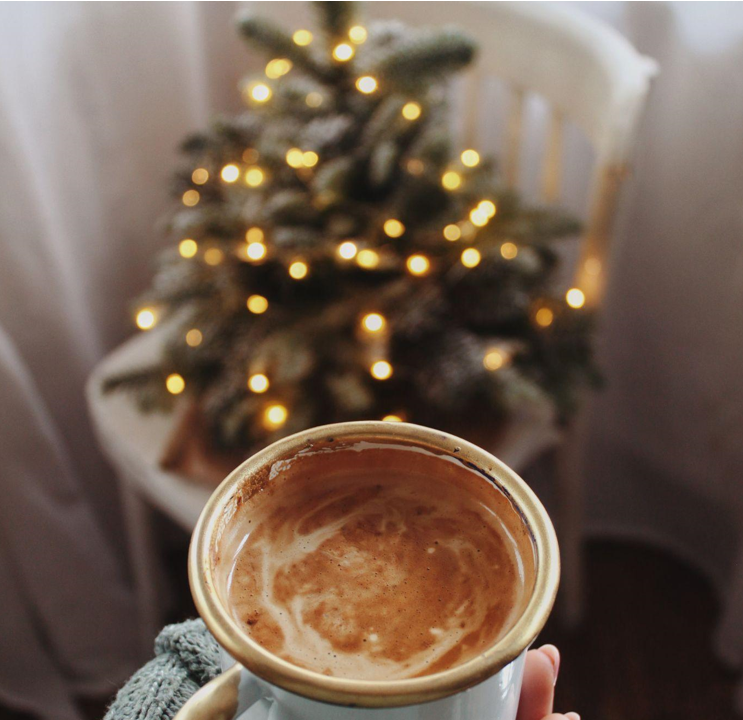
191 198
298 270
357 34
278 67
146 319
230 173
213 256
418 264
175 384
373 322
494 359
275 416
392 418
451 180
302 37
544 317
415 166
366 84
187 248
575 298
260 92
509 250
310 158
479 217
367 259
257 304
254 177
411 111
294 158
471 257
251 156
343 52
314 99
470 158
256 251
488 207
381 370
593 266
347 250
452 232
200 176
393 228
254 234
194 337
258 383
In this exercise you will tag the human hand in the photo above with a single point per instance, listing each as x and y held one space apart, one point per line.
538 686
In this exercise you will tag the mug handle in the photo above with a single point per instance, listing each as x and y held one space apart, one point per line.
217 700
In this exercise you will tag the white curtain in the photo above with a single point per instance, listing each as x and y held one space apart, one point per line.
93 100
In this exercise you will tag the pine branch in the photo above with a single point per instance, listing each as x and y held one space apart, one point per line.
335 18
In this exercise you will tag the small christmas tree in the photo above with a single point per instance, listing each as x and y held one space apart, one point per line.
337 258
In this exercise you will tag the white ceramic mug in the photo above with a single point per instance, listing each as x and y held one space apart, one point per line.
258 685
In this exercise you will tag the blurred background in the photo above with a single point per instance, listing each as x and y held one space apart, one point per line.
94 531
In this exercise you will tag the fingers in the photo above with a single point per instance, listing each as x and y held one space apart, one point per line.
559 716
538 686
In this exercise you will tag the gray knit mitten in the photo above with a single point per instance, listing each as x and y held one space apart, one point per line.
186 657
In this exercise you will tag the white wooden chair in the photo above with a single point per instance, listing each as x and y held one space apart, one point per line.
590 76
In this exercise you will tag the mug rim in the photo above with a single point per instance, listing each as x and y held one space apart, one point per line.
376 693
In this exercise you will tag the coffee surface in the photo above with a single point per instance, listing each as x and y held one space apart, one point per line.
372 573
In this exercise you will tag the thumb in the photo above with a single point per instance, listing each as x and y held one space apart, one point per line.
538 686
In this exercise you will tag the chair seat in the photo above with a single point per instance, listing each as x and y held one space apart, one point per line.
134 442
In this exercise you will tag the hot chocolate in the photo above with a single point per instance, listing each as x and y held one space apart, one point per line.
376 563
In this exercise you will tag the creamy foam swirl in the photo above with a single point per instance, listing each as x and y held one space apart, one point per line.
374 575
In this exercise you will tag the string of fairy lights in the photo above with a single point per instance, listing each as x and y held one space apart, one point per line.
255 249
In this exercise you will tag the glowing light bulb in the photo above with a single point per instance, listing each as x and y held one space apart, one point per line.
213 256
367 259
302 37
494 359
366 84
146 319
411 110
310 158
392 418
470 158
451 180
415 166
393 228
452 233
544 317
343 52
200 176
251 156
487 207
479 217
357 34
230 173
373 322
254 177
258 383
254 234
471 257
418 264
274 416
278 67
256 251
298 270
314 99
175 384
194 337
575 298
257 304
509 250
294 158
260 92
191 197
347 250
381 370
187 248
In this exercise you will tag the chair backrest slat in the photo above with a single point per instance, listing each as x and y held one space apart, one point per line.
514 138
552 165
